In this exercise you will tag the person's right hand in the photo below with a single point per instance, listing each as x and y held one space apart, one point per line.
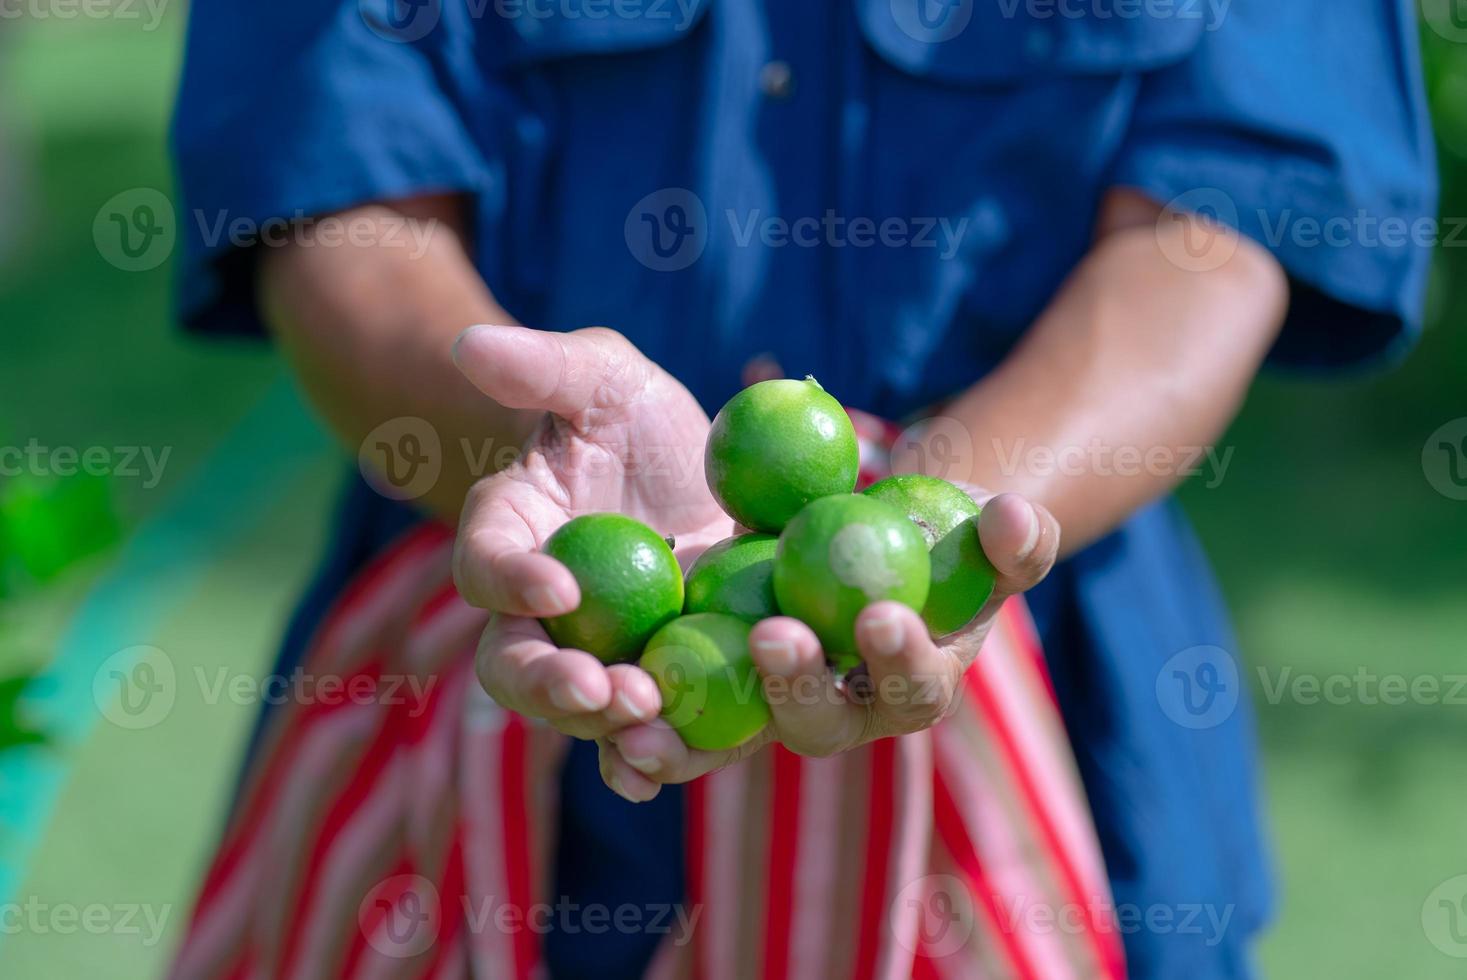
619 434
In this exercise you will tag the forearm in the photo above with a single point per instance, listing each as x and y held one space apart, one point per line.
1135 368
369 327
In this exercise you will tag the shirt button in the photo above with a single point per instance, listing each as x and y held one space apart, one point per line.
776 80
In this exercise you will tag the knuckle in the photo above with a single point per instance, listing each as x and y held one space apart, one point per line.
469 558
814 747
486 669
874 725
606 334
462 578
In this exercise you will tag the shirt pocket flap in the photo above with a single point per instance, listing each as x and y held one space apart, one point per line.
980 42
526 33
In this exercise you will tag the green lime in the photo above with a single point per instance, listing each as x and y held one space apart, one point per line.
840 554
710 688
735 576
630 585
775 447
962 578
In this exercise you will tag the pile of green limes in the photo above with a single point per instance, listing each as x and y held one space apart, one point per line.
782 459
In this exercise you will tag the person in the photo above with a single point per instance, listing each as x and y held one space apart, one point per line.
1056 241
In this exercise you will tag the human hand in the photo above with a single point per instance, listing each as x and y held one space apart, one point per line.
619 434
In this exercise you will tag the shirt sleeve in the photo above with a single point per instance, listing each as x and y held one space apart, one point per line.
1303 124
310 107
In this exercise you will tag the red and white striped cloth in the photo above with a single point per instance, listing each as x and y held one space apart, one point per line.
405 830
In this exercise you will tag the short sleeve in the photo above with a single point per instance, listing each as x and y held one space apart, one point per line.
305 108
1304 125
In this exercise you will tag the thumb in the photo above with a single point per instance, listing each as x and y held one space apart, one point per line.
548 371
1021 540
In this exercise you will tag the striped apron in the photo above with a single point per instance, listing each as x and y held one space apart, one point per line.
406 828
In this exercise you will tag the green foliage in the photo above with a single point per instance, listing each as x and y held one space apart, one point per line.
14 730
49 525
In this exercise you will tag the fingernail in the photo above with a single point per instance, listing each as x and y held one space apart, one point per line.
776 656
884 635
1031 537
545 601
568 696
614 783
646 767
626 706
460 339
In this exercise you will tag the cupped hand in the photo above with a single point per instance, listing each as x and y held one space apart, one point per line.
618 434
910 681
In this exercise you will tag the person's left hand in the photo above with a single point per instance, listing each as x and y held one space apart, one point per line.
910 681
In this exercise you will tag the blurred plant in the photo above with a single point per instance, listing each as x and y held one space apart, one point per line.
48 526
14 731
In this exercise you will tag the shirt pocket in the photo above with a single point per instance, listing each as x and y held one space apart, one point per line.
1002 122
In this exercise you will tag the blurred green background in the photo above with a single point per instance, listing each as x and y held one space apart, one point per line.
1334 550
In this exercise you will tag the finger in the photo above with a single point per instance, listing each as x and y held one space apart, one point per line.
634 701
1021 540
621 778
656 751
495 564
912 679
549 371
634 696
523 671
811 714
